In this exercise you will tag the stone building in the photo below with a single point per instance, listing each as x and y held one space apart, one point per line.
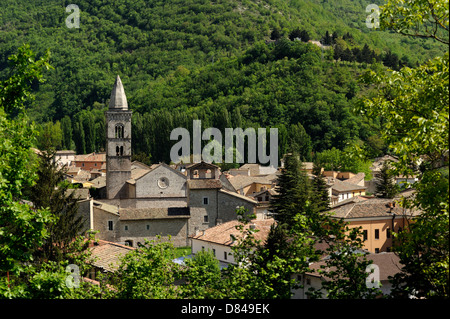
142 202
118 143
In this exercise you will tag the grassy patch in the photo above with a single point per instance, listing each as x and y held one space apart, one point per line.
182 251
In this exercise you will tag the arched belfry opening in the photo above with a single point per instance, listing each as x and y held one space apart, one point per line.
119 131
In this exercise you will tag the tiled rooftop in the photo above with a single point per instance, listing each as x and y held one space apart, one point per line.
221 234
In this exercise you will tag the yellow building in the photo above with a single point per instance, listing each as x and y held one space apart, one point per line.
378 218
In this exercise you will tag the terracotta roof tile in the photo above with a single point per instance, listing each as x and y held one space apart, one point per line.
362 207
92 157
388 263
240 181
107 254
221 234
344 186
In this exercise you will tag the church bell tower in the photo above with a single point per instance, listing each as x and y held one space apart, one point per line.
118 143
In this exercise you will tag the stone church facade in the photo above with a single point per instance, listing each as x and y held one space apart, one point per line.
143 202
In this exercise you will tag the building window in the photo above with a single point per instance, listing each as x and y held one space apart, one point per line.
364 234
225 255
110 225
377 234
388 233
126 227
129 243
214 252
205 219
119 131
377 250
148 227
205 200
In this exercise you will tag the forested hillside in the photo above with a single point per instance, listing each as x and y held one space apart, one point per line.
212 60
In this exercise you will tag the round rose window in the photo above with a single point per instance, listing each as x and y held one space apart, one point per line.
163 182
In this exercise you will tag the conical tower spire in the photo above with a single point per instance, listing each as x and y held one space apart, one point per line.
118 99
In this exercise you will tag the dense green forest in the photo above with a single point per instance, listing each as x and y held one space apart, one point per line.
211 60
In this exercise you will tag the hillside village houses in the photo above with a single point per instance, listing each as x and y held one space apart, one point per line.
221 238
130 202
133 202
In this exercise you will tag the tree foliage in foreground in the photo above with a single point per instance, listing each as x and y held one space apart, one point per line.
413 105
22 228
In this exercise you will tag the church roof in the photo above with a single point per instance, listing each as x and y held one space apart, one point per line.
118 99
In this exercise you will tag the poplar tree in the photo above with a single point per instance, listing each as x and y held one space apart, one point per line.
66 126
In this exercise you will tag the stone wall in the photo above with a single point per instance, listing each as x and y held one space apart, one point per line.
138 231
84 211
116 183
101 219
152 202
228 203
161 182
199 209
221 208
